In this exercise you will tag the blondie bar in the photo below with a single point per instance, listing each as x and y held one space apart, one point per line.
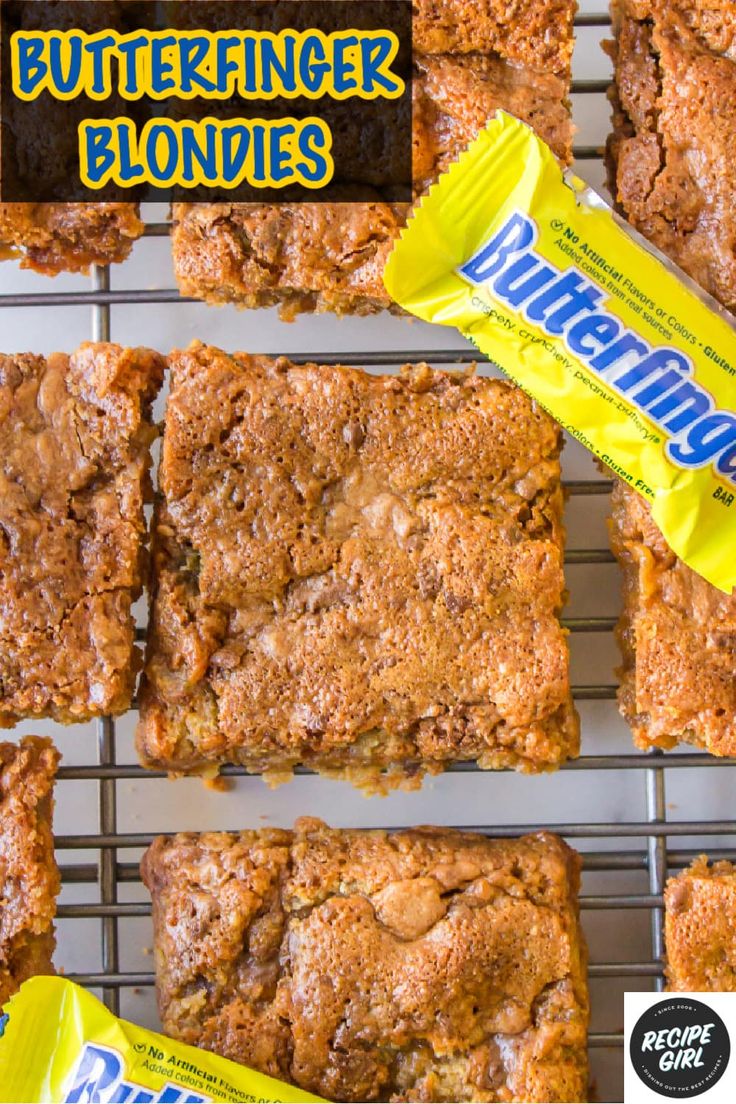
60 237
29 879
670 157
537 33
74 471
677 635
700 928
359 573
67 237
416 965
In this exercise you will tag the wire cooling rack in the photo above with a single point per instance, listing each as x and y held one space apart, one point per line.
627 856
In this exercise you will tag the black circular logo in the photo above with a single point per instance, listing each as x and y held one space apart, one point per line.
680 1047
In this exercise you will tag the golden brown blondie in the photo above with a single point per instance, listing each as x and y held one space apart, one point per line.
677 635
68 237
42 163
75 442
537 33
29 879
700 928
671 154
425 964
330 256
359 573
60 237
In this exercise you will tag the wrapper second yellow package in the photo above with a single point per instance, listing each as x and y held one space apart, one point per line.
616 342
58 1043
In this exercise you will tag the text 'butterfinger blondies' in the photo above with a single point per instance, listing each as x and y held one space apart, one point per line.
357 573
417 965
75 442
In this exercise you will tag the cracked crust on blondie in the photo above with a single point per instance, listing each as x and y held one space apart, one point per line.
358 573
670 157
536 33
29 879
75 442
68 237
425 964
677 635
700 928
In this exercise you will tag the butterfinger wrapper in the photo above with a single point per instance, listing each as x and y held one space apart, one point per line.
59 1043
616 342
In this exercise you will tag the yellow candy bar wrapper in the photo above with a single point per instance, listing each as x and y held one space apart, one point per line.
59 1043
622 348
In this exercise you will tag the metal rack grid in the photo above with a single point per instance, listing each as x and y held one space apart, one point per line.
653 854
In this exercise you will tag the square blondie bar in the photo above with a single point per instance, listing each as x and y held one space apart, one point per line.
416 965
29 879
68 237
671 155
677 636
358 573
75 442
700 928
314 257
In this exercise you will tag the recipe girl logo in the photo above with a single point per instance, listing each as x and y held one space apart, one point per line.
677 1047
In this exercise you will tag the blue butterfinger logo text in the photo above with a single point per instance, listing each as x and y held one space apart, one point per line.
98 1079
657 380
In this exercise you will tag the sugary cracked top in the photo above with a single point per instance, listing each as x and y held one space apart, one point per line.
418 965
